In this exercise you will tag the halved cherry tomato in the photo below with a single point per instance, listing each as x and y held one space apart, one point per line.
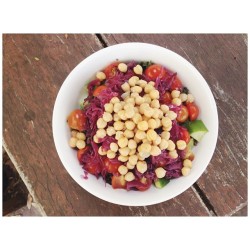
111 165
176 84
77 120
81 152
118 182
154 71
111 70
145 184
182 114
98 90
184 134
193 111
166 98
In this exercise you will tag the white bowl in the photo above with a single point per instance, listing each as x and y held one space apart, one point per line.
67 100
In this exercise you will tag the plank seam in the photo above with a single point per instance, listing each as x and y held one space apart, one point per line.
102 41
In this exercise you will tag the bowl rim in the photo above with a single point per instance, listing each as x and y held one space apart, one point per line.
123 46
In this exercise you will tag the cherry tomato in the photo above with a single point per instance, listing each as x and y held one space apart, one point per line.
193 111
118 182
77 120
176 84
111 165
98 90
154 71
184 134
166 98
111 70
145 184
182 115
81 152
92 168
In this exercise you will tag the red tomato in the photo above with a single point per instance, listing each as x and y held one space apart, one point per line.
176 84
98 90
154 71
193 111
81 152
166 98
145 184
182 114
184 135
111 70
77 120
118 182
111 165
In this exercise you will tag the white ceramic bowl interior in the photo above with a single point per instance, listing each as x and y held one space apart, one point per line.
68 97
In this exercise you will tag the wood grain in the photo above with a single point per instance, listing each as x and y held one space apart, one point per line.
34 67
222 60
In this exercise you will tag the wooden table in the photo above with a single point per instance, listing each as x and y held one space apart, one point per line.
34 68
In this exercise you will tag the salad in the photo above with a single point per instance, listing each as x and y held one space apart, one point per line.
137 126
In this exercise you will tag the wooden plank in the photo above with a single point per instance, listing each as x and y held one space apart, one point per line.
222 60
34 68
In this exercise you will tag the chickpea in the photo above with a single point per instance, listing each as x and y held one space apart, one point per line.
101 123
154 94
110 131
156 113
160 172
165 135
133 159
143 126
101 151
114 100
108 107
171 145
187 163
164 108
138 69
124 151
129 133
123 158
166 122
118 135
96 139
190 98
176 101
130 166
151 135
129 113
80 144
80 136
100 75
118 125
132 144
129 176
185 171
142 83
122 170
129 125
117 107
122 115
113 146
72 142
136 89
125 95
155 104
140 135
130 100
132 152
148 112
110 154
134 94
139 100
163 144
157 141
123 142
167 128
151 83
107 117
101 133
122 67
133 80
147 98
175 93
152 123
141 166
148 88
116 117
181 145
73 133
172 115
137 118
125 87
183 97
155 151
145 147
173 154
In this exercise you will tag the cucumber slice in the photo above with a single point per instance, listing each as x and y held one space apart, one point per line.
160 183
197 129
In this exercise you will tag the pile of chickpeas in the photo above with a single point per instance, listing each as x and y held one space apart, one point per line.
136 117
77 139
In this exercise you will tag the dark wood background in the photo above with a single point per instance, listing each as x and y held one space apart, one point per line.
35 66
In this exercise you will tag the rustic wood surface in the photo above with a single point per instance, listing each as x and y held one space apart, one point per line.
35 66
